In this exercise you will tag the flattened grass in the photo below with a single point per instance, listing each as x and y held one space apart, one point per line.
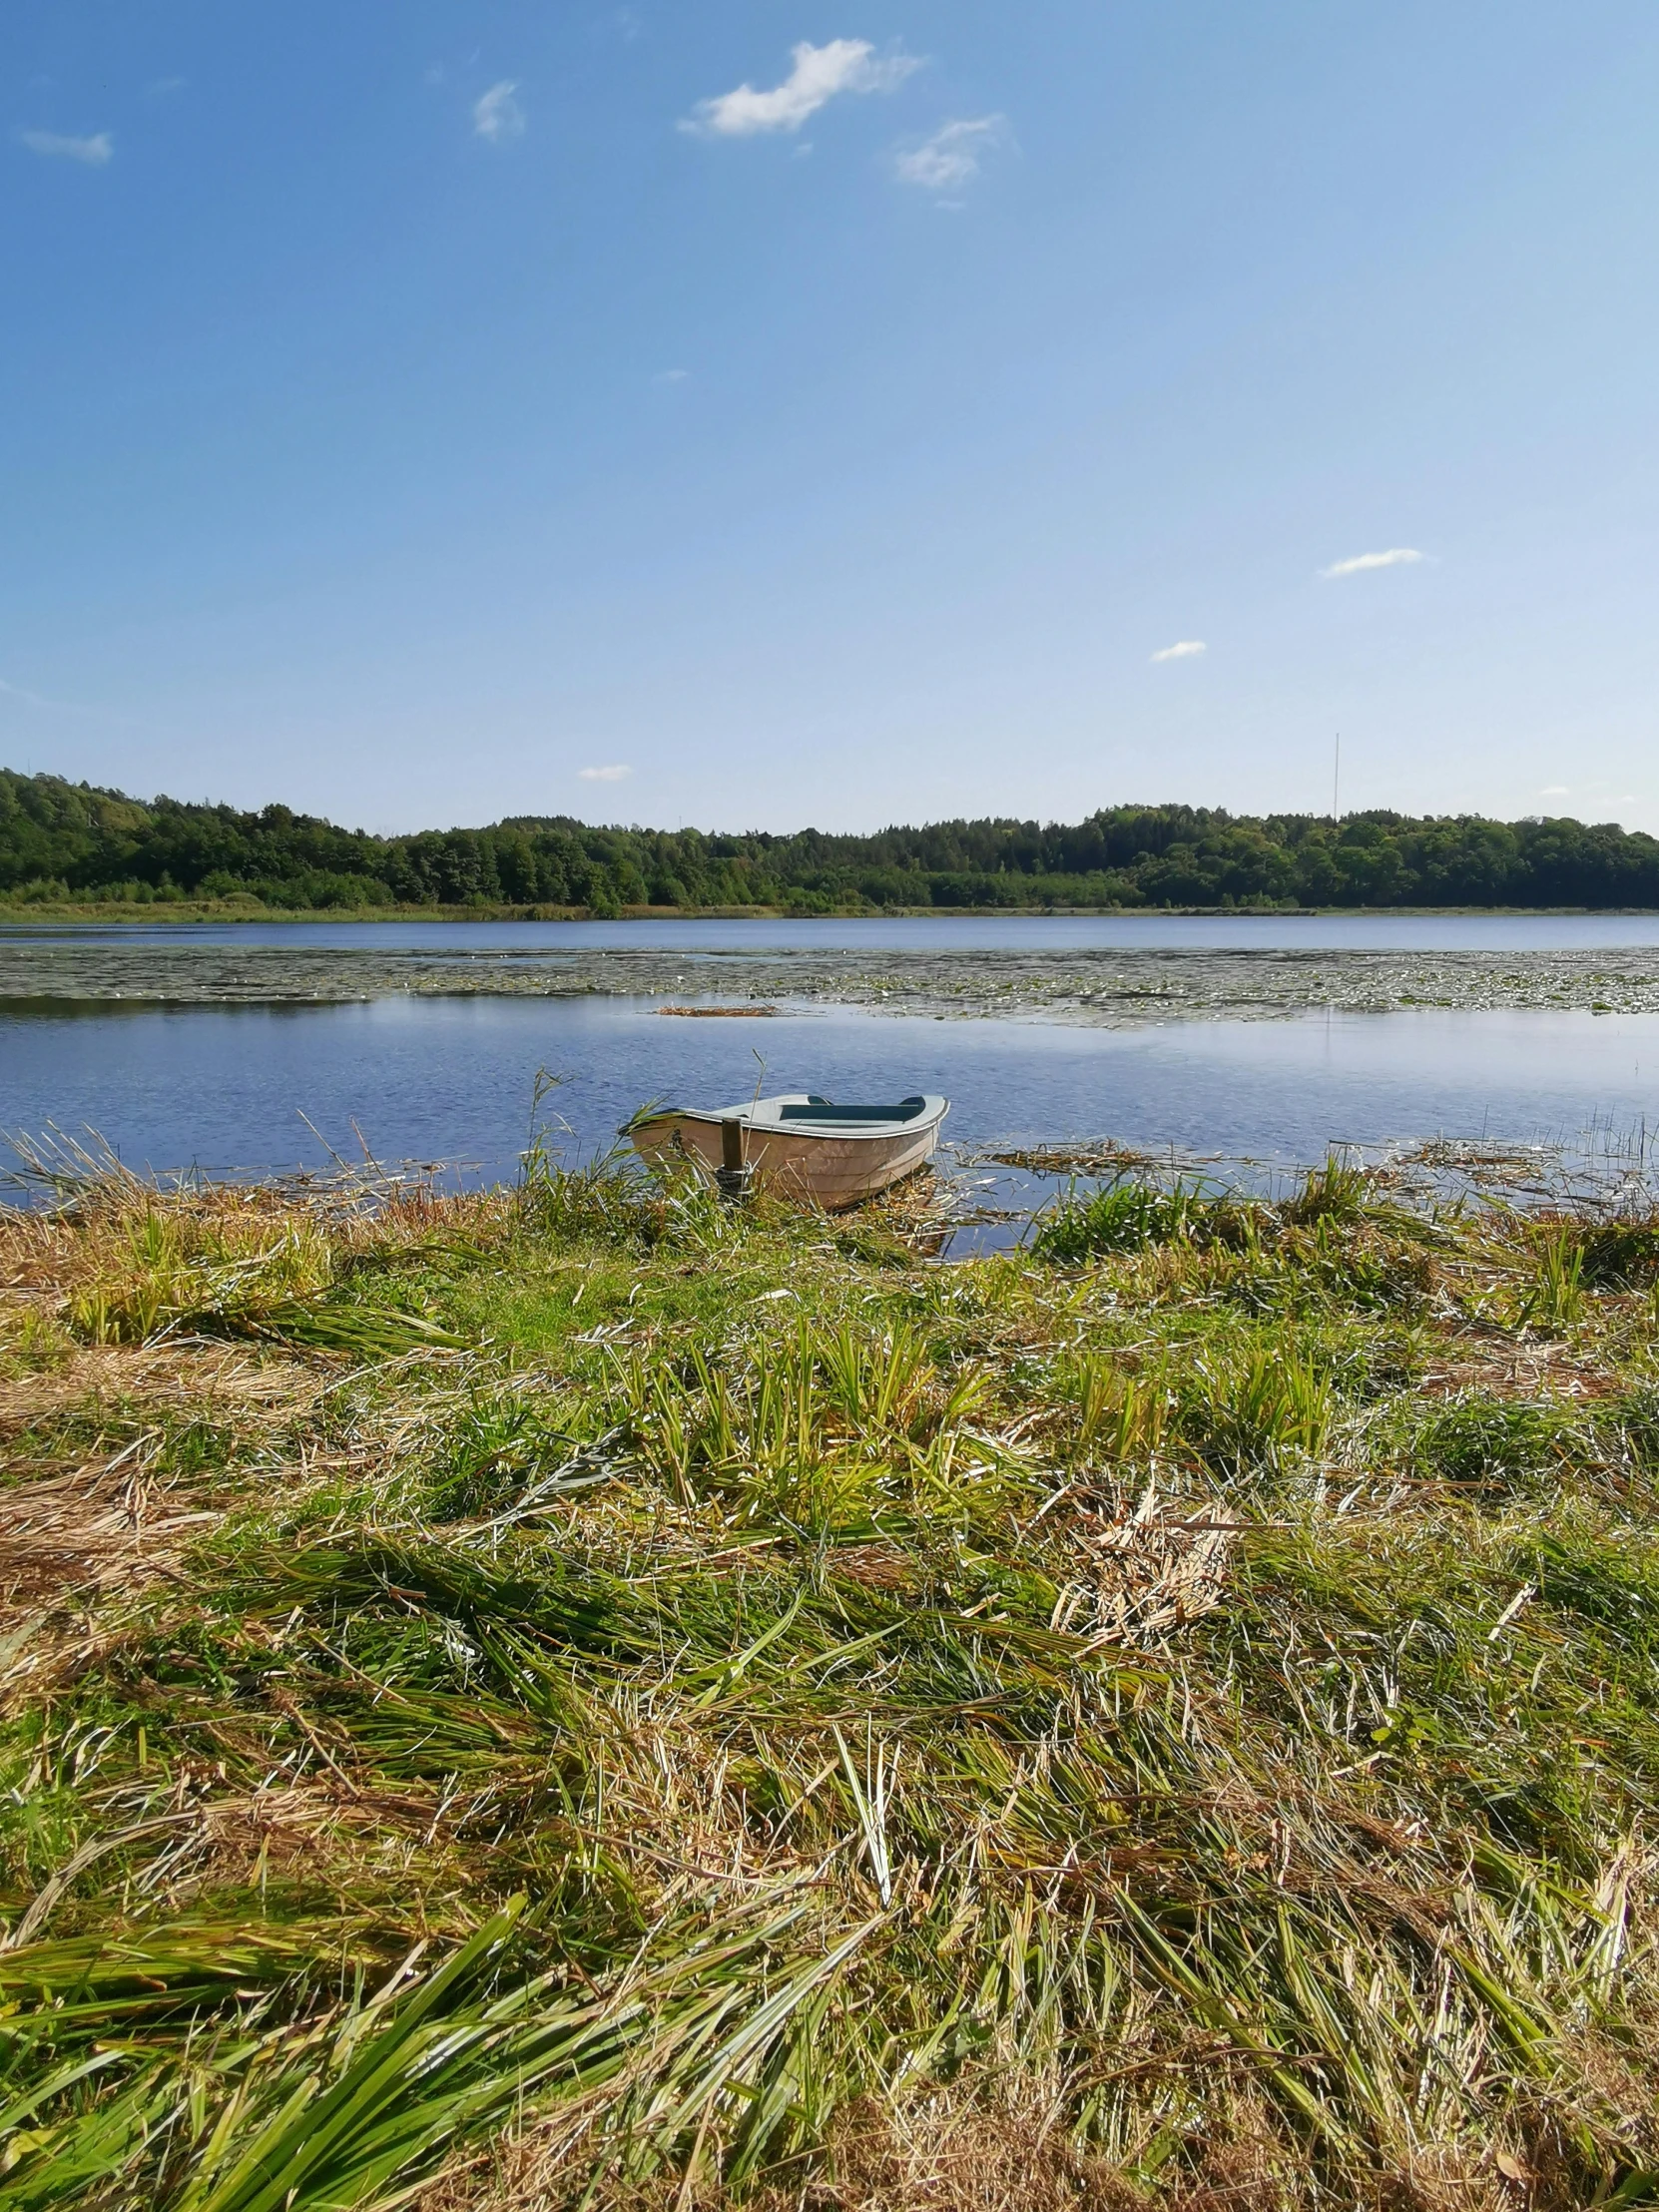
608 1700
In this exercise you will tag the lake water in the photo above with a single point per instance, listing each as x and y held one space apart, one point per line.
918 933
222 1087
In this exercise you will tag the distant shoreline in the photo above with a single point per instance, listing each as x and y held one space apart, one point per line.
181 913
67 849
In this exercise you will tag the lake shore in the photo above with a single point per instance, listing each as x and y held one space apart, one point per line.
1105 987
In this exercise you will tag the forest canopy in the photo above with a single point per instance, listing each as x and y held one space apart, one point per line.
65 842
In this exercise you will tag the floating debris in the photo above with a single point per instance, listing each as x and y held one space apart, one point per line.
1105 1156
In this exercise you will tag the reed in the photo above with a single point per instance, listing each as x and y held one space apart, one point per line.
581 1696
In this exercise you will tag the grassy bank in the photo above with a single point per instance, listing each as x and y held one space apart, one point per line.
24 911
31 912
571 1695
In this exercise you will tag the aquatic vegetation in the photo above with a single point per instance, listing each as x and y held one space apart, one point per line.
1130 1212
1337 1192
1555 1300
692 1705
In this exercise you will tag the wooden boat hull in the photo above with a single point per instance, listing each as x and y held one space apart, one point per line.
824 1167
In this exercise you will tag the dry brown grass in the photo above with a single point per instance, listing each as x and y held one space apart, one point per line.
1143 1574
995 2140
1497 1361
90 1533
988 2143
158 1381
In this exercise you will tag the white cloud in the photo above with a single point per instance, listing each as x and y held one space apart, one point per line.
1184 649
671 376
819 72
615 775
1398 556
93 150
950 158
1556 791
497 114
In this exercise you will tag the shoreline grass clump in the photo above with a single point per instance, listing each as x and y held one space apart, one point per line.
578 1696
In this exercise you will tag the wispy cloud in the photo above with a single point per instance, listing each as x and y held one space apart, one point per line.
613 775
16 690
1184 649
1556 791
497 114
26 698
950 158
93 150
818 74
671 376
1398 556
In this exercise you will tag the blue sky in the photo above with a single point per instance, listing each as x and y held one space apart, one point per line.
832 412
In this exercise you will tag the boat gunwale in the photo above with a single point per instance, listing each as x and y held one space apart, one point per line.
935 1110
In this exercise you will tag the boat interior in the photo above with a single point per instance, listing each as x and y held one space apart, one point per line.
821 1110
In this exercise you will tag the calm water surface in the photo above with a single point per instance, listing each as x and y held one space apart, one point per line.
222 1087
919 934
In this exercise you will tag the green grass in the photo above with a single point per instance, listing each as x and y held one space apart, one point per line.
683 1706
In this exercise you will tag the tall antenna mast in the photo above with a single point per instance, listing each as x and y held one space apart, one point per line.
1337 780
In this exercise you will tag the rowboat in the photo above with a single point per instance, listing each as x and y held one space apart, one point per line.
798 1145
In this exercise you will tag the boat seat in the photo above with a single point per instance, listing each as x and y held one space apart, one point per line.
820 1109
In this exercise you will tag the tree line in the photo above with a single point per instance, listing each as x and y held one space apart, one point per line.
62 842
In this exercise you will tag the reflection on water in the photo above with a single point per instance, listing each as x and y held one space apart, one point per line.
223 1088
910 932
